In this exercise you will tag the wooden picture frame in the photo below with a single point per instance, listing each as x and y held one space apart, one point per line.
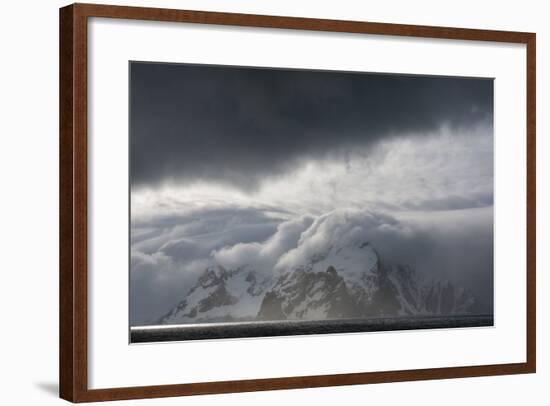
73 206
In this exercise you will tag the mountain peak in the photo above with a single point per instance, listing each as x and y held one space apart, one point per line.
341 281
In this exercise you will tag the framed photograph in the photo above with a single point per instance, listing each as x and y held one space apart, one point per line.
256 202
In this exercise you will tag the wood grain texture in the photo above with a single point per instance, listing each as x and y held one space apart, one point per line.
73 201
66 130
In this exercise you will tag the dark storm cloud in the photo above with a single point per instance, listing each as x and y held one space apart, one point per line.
236 125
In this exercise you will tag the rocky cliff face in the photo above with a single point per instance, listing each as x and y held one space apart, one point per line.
350 281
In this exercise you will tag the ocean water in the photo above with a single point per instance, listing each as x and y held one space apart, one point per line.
203 331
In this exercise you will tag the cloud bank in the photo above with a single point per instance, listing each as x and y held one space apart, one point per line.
440 248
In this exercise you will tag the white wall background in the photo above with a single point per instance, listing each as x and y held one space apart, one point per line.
28 214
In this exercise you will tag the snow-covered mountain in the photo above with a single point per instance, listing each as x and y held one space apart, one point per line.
343 280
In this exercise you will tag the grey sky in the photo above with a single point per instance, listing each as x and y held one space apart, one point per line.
238 125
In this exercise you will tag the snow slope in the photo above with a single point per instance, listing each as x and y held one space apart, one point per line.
343 278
